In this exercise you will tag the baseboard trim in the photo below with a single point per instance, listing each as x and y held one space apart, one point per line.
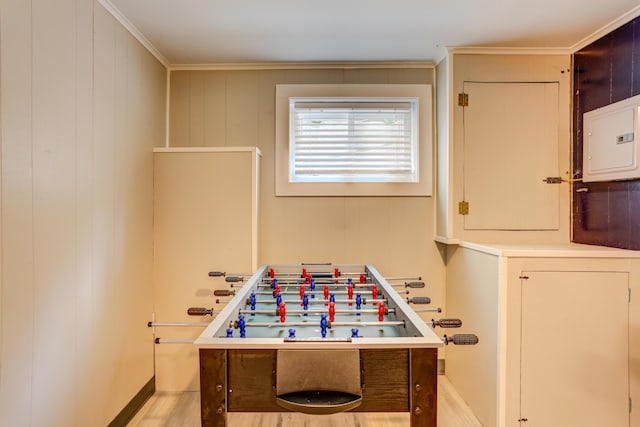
134 405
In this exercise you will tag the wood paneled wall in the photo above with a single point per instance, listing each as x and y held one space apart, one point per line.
82 108
237 108
606 71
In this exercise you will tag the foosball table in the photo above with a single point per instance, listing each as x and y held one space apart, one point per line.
319 339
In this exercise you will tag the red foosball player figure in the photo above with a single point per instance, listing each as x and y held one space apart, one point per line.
374 293
381 311
332 311
283 312
350 293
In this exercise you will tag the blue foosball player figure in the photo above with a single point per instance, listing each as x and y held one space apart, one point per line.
323 325
242 325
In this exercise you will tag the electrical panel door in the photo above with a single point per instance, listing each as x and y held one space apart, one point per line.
610 142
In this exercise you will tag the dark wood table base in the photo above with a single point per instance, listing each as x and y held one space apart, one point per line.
393 380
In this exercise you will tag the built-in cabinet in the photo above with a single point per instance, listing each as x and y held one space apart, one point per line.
558 333
205 219
557 323
503 129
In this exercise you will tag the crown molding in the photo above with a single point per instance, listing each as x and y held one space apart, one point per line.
498 50
119 16
243 66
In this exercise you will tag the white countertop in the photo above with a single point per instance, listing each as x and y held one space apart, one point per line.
568 250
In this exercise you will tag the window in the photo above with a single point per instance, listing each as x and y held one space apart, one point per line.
353 140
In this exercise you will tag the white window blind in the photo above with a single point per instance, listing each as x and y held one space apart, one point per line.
358 139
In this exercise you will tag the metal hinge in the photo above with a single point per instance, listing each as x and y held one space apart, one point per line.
629 289
463 208
463 99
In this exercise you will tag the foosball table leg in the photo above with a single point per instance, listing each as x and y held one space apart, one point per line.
213 387
424 386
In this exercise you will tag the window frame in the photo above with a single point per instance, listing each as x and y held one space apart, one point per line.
421 92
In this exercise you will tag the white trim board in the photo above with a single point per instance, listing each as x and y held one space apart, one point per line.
252 66
206 150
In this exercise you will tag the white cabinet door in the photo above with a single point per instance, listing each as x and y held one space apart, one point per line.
510 146
575 349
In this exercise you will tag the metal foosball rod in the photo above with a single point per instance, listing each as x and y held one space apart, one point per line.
311 274
288 324
457 339
176 324
418 278
412 285
174 340
336 274
224 274
314 301
427 310
229 292
230 278
319 311
300 281
297 292
193 311
316 264
324 278
332 273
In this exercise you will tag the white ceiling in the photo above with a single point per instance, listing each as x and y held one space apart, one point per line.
224 31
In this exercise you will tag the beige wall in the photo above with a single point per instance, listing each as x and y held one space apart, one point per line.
236 108
82 108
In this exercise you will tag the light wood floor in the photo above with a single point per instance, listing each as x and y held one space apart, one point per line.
182 409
